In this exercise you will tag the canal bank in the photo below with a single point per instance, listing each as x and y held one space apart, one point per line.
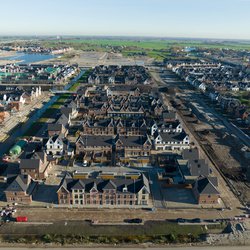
21 129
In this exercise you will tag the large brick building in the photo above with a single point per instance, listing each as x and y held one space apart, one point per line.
99 192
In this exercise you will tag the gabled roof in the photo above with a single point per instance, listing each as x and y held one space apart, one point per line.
95 140
30 164
109 185
133 186
40 155
55 127
207 185
171 136
78 185
133 141
19 183
63 119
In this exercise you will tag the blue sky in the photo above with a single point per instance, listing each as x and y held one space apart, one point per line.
164 18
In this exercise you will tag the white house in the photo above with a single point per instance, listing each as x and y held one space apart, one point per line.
202 87
166 127
171 141
56 146
235 88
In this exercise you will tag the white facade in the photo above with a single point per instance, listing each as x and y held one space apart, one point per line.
160 144
55 147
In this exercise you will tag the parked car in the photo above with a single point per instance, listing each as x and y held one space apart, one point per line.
180 220
196 220
21 219
136 220
85 164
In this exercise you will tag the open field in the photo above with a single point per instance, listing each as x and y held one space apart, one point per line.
134 48
143 43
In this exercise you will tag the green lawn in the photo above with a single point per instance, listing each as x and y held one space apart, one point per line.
83 232
244 97
157 44
49 113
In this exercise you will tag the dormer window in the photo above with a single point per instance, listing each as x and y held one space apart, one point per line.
125 189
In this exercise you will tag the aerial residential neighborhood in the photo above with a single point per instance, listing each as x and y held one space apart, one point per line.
125 125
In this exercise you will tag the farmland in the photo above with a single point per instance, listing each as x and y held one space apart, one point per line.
158 49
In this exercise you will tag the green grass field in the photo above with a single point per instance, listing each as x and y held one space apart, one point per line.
49 113
157 44
159 49
160 232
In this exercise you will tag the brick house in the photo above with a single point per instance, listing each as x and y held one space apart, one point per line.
20 189
57 129
131 127
94 144
101 127
205 190
36 166
132 146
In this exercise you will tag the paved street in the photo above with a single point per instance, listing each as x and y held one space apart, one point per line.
143 247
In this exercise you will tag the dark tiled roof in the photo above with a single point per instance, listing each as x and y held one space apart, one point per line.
55 127
19 183
172 136
198 167
133 186
96 140
133 141
207 185
190 154
30 164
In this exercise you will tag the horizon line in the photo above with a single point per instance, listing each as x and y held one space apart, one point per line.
131 36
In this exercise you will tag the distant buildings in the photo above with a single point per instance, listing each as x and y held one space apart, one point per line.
219 82
129 75
35 74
